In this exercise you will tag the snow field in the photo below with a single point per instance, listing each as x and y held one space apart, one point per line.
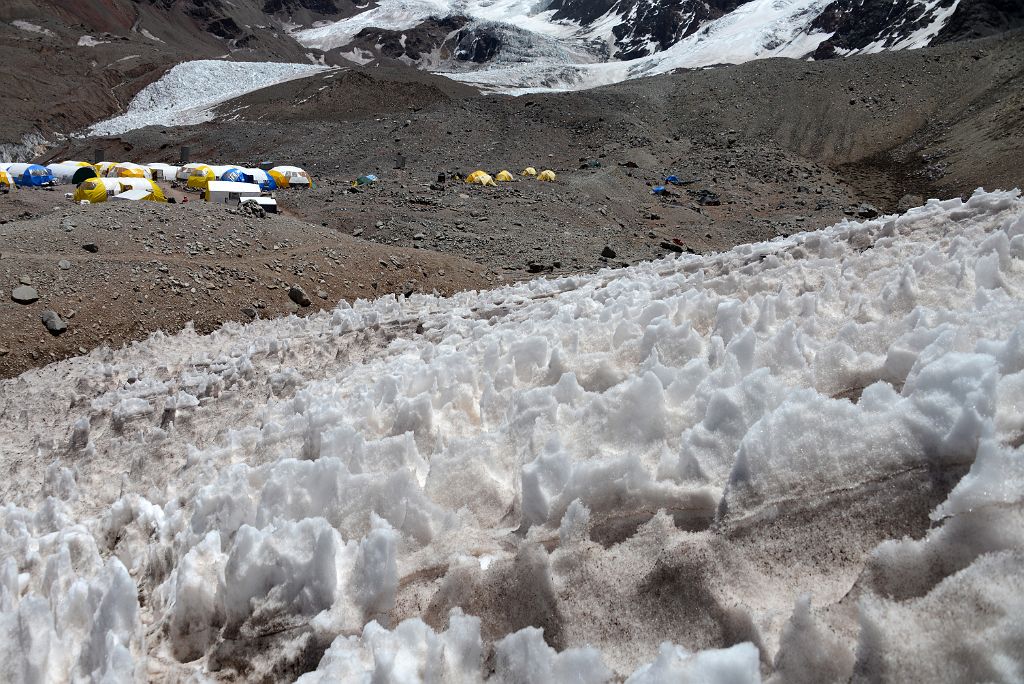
798 459
185 95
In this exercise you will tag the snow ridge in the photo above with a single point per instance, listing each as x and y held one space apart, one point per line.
687 470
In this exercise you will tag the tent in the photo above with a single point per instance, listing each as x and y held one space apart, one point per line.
368 179
76 163
144 184
32 175
235 175
226 192
65 173
97 190
129 170
133 195
546 175
529 171
292 175
261 178
161 171
6 182
504 176
83 174
103 167
480 178
185 171
200 176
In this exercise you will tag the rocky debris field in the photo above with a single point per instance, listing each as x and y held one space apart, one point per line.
80 277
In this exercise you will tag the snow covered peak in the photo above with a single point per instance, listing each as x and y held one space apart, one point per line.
581 43
694 469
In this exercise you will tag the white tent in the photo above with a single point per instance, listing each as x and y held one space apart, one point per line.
184 171
226 192
163 171
64 173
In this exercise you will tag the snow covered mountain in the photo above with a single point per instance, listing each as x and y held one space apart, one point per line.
531 44
800 457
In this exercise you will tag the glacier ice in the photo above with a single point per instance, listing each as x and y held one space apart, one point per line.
798 460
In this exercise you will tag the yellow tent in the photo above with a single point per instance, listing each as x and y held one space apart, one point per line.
6 180
97 190
103 167
504 176
155 193
200 176
480 178
546 175
279 178
529 171
128 170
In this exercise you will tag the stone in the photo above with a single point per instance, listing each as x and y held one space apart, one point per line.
24 294
672 247
64 264
321 294
298 295
249 312
53 322
908 202
534 267
357 232
418 236
608 252
25 280
91 247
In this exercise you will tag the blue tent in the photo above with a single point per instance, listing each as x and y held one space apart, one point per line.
261 178
234 175
32 175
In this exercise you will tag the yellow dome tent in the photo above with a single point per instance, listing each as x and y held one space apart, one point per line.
6 181
155 193
129 170
529 171
480 178
504 176
546 175
279 178
96 190
199 177
103 167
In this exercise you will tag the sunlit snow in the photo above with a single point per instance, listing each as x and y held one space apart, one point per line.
680 471
187 92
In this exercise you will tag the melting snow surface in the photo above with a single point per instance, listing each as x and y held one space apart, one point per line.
800 457
186 94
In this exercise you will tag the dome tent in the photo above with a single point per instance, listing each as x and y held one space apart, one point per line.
546 175
72 173
6 182
32 175
129 170
480 178
159 170
504 176
529 171
185 171
103 167
292 175
96 190
261 178
234 175
200 176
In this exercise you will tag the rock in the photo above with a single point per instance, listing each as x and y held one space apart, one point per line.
608 252
53 322
298 295
908 202
534 267
672 247
707 198
418 236
24 294
321 294
25 280
866 211
249 312
357 232
64 264
91 247
4 351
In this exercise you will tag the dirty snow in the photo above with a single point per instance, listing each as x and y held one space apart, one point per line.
186 94
30 27
799 459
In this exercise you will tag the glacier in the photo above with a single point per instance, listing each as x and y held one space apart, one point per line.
187 93
798 460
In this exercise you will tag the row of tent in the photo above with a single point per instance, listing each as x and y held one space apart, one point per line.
196 176
480 177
